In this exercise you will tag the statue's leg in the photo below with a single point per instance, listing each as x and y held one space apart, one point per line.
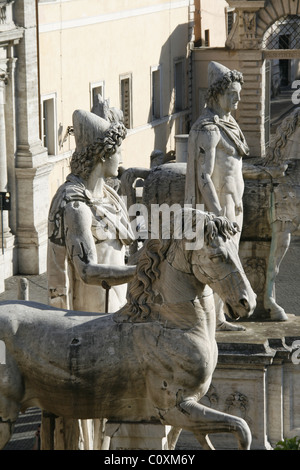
221 323
281 237
11 393
202 421
6 430
173 438
92 432
9 411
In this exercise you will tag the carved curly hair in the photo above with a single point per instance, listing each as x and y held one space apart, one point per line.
219 87
82 163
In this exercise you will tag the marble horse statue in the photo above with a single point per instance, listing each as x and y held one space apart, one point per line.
150 361
271 198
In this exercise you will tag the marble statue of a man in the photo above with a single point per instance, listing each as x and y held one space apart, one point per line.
89 229
216 148
88 223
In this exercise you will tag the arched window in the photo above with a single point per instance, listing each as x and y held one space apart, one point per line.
282 68
283 34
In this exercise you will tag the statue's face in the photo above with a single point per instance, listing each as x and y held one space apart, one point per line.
111 164
230 99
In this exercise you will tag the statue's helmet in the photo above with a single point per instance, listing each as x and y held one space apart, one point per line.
216 73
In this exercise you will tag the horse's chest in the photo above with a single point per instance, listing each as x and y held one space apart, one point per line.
188 356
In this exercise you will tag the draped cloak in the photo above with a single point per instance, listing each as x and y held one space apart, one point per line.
113 215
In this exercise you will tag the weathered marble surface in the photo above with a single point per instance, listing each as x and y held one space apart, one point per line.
271 209
88 232
150 361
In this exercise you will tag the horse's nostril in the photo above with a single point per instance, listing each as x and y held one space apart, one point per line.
244 303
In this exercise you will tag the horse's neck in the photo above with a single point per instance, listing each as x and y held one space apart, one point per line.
176 286
182 301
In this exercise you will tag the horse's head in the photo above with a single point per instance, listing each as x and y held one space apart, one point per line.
215 261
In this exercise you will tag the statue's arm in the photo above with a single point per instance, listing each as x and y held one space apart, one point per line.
203 144
82 250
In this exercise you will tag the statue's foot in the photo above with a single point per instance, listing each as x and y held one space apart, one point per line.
227 326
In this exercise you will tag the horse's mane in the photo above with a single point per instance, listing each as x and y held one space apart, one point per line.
283 132
154 251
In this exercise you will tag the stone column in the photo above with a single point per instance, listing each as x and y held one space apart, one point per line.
3 155
3 176
11 131
32 168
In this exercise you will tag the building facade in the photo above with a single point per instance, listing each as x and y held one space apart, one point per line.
149 59
58 56
135 54
264 34
24 167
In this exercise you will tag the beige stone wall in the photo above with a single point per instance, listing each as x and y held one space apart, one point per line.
88 42
213 18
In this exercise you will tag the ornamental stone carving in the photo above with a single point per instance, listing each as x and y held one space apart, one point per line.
238 404
6 16
244 32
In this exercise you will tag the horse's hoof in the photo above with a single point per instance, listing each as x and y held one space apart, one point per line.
227 326
278 314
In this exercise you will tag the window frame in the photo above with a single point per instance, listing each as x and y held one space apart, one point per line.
49 135
93 86
155 116
179 60
127 119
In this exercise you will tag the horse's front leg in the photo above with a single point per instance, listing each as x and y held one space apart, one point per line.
202 421
281 238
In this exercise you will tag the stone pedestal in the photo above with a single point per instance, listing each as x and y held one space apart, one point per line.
136 436
33 204
258 379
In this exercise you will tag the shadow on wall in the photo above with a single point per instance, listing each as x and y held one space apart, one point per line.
169 85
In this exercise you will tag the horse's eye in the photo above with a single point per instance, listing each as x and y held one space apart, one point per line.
218 257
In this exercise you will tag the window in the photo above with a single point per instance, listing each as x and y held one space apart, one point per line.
179 85
125 99
283 34
156 92
49 123
230 19
206 36
96 88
